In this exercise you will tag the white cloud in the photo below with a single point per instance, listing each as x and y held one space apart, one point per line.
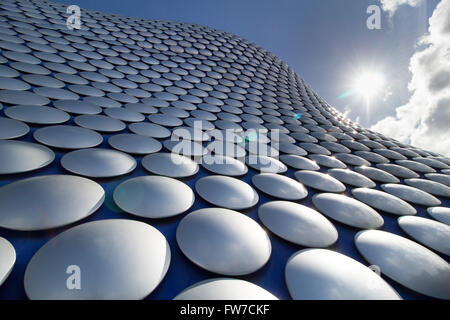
391 6
425 120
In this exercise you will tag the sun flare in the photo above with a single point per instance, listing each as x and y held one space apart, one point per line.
368 84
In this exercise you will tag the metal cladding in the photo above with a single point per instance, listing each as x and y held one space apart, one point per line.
148 159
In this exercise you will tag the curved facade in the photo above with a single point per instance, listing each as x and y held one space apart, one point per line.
160 160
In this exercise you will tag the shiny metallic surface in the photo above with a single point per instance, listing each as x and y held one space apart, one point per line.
37 114
227 192
410 194
441 214
352 178
224 289
347 211
153 196
99 163
47 202
279 186
170 165
139 253
383 201
319 181
308 277
406 262
134 143
433 187
430 233
19 156
67 137
7 259
11 129
205 111
223 241
298 224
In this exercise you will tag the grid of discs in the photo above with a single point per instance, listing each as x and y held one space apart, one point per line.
90 162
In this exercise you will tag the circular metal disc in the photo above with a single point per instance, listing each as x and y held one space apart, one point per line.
116 259
265 164
226 192
153 196
20 156
77 107
315 274
67 137
11 129
441 214
22 97
347 211
299 163
170 165
437 177
149 130
224 165
352 178
377 174
47 202
298 224
100 123
319 181
98 163
37 114
411 194
406 262
436 188
134 143
433 234
224 289
7 259
383 201
223 241
279 186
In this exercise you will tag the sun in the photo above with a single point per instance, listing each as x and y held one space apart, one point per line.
368 84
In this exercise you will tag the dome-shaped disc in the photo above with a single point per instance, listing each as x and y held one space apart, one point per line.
153 196
99 163
114 259
20 156
406 262
224 165
319 181
298 224
433 234
352 178
299 163
7 259
68 137
410 194
223 241
224 289
441 214
315 274
347 211
47 202
134 143
383 201
279 186
37 114
170 165
10 128
227 192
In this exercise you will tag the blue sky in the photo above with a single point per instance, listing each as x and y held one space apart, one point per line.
325 41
